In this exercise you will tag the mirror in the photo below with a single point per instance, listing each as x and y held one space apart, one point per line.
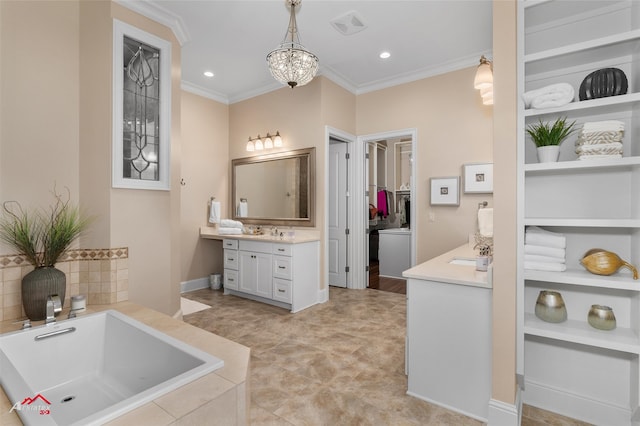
275 189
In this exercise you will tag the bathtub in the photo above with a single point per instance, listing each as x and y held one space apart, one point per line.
92 369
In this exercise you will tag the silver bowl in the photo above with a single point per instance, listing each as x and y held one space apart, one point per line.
550 307
601 317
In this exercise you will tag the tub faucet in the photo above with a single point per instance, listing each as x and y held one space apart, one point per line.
54 306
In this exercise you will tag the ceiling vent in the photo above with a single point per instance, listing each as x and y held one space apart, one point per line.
349 23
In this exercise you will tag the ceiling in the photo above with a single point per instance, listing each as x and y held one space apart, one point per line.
232 39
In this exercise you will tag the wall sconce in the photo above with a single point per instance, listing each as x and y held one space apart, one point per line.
269 142
483 80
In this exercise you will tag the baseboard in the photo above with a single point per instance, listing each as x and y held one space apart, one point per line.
323 295
573 405
191 285
448 407
503 414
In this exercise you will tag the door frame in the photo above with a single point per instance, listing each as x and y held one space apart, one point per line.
333 133
361 224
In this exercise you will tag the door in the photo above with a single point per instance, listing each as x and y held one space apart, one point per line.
255 273
338 214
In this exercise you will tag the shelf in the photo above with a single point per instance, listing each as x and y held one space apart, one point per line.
619 339
583 223
581 277
596 164
621 101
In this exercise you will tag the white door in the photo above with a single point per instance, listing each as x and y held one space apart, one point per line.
337 219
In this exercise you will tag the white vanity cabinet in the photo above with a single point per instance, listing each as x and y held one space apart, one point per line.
281 273
571 368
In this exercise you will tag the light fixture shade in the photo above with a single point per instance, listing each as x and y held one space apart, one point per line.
485 90
484 74
250 146
290 63
258 144
268 143
277 141
487 99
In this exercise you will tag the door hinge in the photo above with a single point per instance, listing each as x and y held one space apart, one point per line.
346 231
366 193
366 156
346 269
367 231
347 156
366 268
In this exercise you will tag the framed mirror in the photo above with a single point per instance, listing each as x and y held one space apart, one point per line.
275 189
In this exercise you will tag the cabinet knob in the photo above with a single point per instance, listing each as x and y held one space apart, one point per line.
282 267
280 290
280 249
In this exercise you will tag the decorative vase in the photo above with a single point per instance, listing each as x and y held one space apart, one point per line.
601 317
548 154
39 284
550 307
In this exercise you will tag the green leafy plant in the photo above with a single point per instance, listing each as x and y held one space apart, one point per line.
544 134
42 236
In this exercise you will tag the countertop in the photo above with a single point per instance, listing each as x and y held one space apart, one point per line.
439 269
224 391
301 236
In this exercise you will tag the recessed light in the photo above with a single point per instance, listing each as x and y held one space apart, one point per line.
208 74
385 55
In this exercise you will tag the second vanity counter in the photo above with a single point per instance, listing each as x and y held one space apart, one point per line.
448 345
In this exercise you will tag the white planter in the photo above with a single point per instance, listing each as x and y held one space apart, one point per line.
548 154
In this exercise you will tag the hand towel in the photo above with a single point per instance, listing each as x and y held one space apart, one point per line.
230 223
542 237
229 231
214 212
485 222
544 251
243 209
545 266
541 258
563 91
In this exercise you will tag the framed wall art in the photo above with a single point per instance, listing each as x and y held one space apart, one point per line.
445 191
478 178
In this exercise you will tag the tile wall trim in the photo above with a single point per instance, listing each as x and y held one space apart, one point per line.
12 260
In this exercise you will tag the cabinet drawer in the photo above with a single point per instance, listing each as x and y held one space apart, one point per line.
231 259
282 290
230 244
231 279
282 267
282 249
256 246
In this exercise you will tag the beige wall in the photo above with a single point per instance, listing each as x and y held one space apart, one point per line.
453 128
205 167
505 190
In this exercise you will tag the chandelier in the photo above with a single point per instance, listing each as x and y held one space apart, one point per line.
291 63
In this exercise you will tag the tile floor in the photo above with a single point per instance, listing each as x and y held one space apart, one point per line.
337 363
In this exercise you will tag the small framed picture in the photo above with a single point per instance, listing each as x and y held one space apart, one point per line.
445 191
478 178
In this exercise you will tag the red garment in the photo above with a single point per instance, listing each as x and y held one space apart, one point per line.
383 208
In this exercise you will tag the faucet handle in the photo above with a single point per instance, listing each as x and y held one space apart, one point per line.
57 303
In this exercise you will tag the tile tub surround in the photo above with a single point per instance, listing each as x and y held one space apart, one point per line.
222 395
338 363
102 275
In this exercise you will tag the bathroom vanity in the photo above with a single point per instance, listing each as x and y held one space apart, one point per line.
448 347
279 271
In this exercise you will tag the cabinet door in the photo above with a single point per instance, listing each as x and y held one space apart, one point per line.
264 280
247 272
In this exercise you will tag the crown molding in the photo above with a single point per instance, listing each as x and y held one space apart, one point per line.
160 15
204 92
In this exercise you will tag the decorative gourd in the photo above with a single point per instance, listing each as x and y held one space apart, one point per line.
603 262
603 83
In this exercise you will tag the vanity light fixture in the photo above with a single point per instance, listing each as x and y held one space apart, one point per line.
290 63
483 80
269 142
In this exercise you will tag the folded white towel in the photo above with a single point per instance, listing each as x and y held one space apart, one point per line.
603 126
552 100
559 91
545 266
230 223
542 237
229 231
485 222
541 258
544 251
214 212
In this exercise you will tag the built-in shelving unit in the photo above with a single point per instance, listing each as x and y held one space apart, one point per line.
572 368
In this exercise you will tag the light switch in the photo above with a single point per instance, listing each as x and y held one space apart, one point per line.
432 217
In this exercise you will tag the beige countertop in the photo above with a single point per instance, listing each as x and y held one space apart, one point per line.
223 393
301 236
439 269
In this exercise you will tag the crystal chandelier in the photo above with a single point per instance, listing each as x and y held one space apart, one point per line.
291 63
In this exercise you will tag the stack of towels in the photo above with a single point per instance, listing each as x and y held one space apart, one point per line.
230 227
600 139
544 250
555 95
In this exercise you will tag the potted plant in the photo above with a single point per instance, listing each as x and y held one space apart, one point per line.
42 237
548 137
